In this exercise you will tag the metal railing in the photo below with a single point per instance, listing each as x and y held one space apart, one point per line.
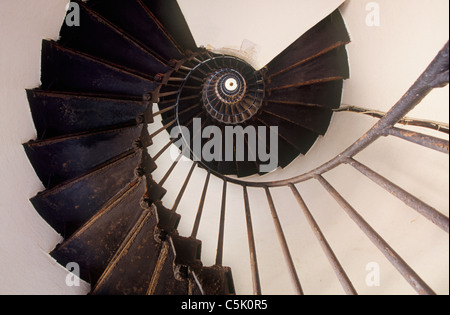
435 76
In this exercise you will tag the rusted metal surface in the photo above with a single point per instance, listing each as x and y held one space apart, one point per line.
130 270
216 280
171 18
138 19
430 142
94 244
331 66
327 35
110 43
407 121
67 70
61 113
73 155
69 205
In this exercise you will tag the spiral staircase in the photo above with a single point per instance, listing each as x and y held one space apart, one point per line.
92 115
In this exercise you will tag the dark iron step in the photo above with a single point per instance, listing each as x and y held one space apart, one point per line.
60 159
301 138
316 119
216 280
67 70
62 113
323 37
70 205
330 66
169 14
327 95
136 19
93 245
130 270
98 37
171 276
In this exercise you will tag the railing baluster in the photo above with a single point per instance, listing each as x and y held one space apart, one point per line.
337 267
430 142
162 129
283 243
183 189
252 246
219 257
405 270
174 164
168 109
200 207
161 152
428 212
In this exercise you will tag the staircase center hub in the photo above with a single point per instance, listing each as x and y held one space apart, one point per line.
231 85
232 91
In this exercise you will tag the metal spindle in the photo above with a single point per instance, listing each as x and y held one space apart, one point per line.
430 142
183 189
405 270
337 267
219 257
162 129
284 245
161 152
163 111
252 246
428 212
200 207
172 167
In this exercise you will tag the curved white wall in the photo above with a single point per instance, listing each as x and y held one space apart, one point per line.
25 239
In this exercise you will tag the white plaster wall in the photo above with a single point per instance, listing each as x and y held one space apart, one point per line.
25 239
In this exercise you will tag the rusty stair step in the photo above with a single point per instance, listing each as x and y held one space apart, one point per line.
69 205
138 21
65 69
169 14
98 37
62 113
326 35
315 119
96 242
331 66
326 95
59 159
129 272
